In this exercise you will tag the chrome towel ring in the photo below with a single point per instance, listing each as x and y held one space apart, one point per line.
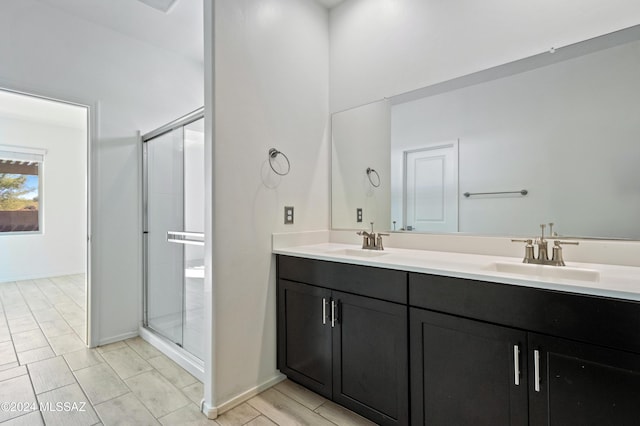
273 153
373 171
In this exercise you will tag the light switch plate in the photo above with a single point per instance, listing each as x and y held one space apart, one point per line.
359 214
288 215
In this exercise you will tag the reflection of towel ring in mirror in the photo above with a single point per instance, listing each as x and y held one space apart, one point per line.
369 172
273 153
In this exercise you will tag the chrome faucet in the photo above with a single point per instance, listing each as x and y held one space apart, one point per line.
371 240
543 255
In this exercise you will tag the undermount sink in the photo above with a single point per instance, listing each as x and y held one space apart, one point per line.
546 271
357 252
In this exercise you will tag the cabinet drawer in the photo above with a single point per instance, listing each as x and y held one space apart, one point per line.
385 284
608 322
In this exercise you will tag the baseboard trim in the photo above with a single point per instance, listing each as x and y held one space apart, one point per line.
213 412
209 411
39 276
117 338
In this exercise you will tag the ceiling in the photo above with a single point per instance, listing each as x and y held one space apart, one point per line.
180 30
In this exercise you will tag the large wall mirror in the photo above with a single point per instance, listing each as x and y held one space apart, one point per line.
550 138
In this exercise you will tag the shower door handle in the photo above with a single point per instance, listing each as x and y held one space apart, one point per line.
181 237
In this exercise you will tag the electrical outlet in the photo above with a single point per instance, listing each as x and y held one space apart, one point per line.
358 214
288 215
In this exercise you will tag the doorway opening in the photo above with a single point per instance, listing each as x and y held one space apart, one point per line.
44 223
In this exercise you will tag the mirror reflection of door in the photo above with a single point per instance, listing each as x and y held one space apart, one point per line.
431 188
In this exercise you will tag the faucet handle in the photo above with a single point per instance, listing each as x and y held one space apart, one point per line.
557 259
366 239
558 243
528 250
379 240
542 226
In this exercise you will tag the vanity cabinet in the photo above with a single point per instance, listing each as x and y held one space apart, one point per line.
304 340
342 332
478 353
488 357
581 384
466 372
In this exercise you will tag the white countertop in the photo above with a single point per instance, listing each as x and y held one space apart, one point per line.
621 282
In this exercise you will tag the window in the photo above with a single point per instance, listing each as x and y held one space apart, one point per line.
20 189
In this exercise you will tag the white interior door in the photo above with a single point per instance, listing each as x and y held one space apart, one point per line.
431 188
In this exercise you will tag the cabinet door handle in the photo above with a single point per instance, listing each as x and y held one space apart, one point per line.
324 310
333 313
536 370
516 365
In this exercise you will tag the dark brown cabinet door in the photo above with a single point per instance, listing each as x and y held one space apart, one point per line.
304 341
370 371
580 384
465 372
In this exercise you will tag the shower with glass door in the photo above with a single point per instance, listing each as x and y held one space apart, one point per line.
173 235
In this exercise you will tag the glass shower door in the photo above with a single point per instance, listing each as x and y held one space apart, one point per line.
165 213
193 314
174 229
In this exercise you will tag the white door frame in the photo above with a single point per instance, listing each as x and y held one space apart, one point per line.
429 147
91 334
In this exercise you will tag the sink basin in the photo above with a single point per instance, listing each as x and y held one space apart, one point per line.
357 252
546 271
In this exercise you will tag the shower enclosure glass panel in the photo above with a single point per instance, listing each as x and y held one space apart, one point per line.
193 316
174 200
165 212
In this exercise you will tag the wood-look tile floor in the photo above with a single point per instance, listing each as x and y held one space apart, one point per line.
49 377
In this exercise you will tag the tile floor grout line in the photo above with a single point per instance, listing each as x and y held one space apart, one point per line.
35 395
13 344
252 419
116 397
287 397
25 300
56 355
83 309
34 318
190 401
26 365
299 403
93 407
53 304
48 345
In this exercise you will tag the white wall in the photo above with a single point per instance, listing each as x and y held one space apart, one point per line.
381 48
561 131
137 86
361 139
271 90
60 249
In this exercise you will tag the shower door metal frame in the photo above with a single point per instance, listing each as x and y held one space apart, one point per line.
144 139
